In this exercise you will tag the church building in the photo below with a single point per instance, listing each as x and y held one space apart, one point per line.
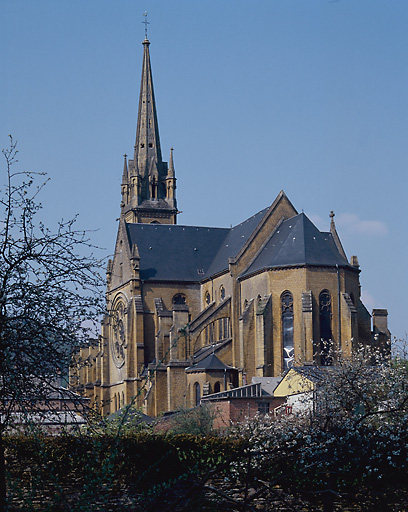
197 310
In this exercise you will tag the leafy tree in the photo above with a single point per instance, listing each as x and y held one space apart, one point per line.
351 447
196 421
49 295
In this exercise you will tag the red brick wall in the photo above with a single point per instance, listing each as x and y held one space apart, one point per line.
238 409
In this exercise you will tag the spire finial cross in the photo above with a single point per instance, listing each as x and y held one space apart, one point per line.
145 23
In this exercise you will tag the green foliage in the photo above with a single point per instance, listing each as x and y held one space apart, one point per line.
73 471
197 421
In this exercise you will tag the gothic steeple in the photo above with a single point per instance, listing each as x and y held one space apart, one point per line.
147 146
150 199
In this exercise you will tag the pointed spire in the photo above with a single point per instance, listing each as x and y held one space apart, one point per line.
170 172
135 253
335 236
147 146
148 192
125 176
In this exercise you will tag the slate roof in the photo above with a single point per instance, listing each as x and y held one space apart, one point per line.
187 253
191 253
175 253
211 362
297 241
237 237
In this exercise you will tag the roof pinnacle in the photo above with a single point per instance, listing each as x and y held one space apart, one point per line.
335 235
125 170
171 163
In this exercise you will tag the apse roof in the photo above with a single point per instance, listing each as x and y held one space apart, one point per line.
297 241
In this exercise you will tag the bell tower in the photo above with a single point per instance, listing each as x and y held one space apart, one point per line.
148 183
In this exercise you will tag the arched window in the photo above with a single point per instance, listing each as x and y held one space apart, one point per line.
217 387
197 393
179 298
326 339
222 293
207 298
287 329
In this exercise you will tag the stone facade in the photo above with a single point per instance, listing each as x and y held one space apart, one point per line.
269 293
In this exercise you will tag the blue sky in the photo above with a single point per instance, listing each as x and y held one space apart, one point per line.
306 96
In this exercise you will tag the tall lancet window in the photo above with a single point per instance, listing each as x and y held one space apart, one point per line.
326 338
154 187
287 329
197 393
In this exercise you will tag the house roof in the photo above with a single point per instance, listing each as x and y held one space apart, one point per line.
300 379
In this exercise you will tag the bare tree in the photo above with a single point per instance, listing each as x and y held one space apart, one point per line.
50 291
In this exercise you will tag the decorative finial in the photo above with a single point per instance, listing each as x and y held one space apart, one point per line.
145 23
332 216
125 156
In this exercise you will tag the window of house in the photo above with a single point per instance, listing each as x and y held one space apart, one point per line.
287 329
217 387
326 338
263 408
222 293
207 298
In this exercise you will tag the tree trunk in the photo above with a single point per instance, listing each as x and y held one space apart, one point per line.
2 476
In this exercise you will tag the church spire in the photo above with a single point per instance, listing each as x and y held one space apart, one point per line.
151 194
147 146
